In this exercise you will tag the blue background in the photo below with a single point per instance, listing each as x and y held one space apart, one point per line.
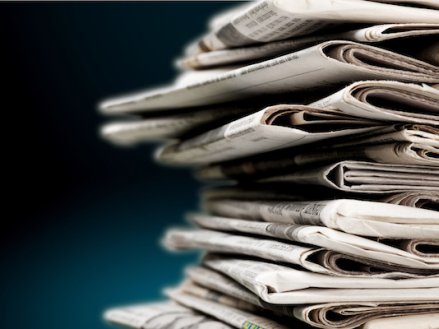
82 219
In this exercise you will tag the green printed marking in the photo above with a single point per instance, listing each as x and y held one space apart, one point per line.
249 325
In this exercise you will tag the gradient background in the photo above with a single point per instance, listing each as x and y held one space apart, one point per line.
82 219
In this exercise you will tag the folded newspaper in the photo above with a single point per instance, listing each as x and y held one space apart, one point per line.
370 34
273 128
270 20
365 177
400 144
387 101
278 284
161 315
322 66
417 199
410 253
318 260
332 315
365 218
170 126
236 318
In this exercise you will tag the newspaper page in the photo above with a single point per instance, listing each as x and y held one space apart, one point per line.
229 315
366 218
350 316
422 321
273 128
347 315
416 146
277 284
365 177
326 65
371 34
270 20
128 133
192 288
413 254
162 315
314 259
404 102
210 279
417 199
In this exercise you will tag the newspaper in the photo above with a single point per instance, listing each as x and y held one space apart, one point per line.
409 253
387 101
366 218
215 281
366 177
371 34
418 199
270 20
406 144
272 128
229 315
127 133
252 169
314 259
192 288
277 284
162 315
327 315
349 316
325 65
422 321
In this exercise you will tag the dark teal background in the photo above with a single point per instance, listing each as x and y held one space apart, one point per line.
82 219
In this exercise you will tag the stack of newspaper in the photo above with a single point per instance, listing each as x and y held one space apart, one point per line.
320 118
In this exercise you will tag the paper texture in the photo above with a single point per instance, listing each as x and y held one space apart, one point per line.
325 65
410 255
365 177
273 128
276 284
163 315
387 101
327 315
371 34
357 217
400 144
134 131
271 20
229 315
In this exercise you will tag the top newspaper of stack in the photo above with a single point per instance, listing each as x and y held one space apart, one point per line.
327 64
271 20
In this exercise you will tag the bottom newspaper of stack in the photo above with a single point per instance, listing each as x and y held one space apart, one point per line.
331 264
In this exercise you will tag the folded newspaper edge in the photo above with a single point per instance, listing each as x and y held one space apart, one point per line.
406 255
276 284
160 315
364 177
371 34
275 127
405 102
325 65
416 199
231 316
366 218
348 315
271 20
169 126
